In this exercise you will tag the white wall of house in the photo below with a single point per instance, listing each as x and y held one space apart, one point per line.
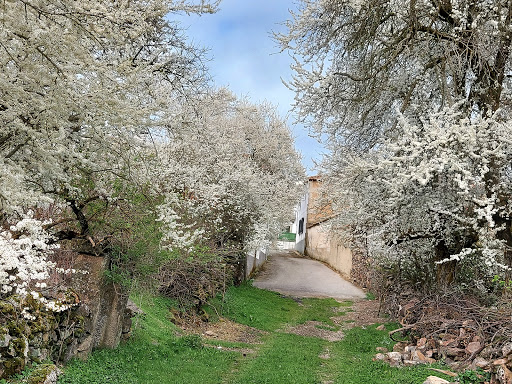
299 226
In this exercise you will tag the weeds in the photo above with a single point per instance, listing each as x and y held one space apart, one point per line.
474 377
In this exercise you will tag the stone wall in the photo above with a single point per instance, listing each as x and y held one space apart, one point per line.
102 305
29 332
98 317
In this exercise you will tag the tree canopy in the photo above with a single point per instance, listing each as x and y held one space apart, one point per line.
413 97
109 122
360 62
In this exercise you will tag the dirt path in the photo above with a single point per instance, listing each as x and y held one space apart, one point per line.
297 340
302 277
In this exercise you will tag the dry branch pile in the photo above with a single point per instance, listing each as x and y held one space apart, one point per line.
192 281
457 330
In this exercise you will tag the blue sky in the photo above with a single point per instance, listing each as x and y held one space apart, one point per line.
245 59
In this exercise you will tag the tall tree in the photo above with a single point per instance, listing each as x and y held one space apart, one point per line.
79 88
358 62
414 99
230 174
77 76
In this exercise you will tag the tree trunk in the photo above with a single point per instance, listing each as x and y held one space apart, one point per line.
445 272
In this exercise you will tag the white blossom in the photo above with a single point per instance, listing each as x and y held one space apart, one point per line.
231 172
24 249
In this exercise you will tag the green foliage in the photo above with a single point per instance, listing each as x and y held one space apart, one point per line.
117 275
22 376
473 377
134 252
287 236
503 284
119 217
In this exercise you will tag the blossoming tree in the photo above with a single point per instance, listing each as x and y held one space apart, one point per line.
77 94
114 149
414 99
107 112
231 174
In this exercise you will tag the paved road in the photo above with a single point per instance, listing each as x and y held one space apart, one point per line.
291 275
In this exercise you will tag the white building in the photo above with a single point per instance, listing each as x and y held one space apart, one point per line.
299 226
312 230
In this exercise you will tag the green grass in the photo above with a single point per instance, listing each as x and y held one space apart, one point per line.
257 308
270 311
284 358
158 354
321 310
154 355
370 296
351 360
227 344
288 358
287 236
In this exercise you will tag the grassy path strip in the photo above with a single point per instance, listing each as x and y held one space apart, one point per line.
284 358
350 360
160 354
301 359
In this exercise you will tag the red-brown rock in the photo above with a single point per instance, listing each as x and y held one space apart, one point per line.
473 347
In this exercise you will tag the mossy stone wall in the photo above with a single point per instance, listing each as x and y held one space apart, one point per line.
31 333
98 317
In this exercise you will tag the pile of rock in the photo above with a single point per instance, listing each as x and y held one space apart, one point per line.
452 349
457 330
44 374
408 357
447 348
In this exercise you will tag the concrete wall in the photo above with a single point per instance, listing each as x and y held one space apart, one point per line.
255 259
284 246
321 246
